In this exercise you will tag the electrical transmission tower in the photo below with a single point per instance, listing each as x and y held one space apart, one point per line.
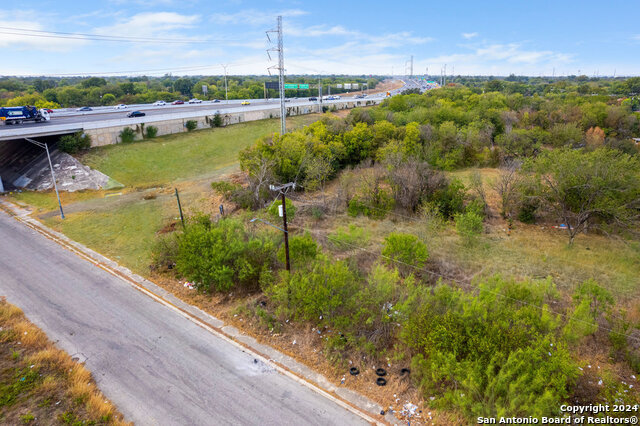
280 68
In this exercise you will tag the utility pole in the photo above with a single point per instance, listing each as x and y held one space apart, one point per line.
282 189
53 177
445 74
280 68
226 93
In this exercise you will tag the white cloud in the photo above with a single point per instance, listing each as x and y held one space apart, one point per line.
469 36
149 24
24 39
636 37
254 17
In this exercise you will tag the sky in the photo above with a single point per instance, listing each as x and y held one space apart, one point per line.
191 37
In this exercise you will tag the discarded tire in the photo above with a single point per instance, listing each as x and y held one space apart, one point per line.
381 381
354 371
381 372
405 371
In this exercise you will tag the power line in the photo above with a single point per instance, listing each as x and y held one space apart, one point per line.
101 37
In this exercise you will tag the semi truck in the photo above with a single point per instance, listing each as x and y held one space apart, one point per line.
16 115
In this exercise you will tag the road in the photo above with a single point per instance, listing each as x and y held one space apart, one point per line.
153 363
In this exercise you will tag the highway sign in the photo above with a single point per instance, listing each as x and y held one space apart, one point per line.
290 86
304 86
272 85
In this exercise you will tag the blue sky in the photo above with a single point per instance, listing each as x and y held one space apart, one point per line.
329 37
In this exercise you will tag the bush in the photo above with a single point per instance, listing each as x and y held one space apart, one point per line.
324 294
449 199
219 256
226 189
191 125
406 249
489 354
127 135
468 225
71 144
217 120
527 212
274 210
151 132
302 250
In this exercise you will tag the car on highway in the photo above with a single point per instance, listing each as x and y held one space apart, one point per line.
195 101
134 114
159 103
245 103
313 98
49 110
178 102
121 106
215 100
85 109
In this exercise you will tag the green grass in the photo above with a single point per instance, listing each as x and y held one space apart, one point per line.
125 233
182 156
47 201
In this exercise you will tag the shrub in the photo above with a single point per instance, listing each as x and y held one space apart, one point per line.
493 353
71 144
274 210
151 132
302 250
468 225
406 249
449 199
217 120
226 189
324 294
590 301
219 256
191 125
127 135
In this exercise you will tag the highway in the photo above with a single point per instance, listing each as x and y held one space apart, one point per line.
157 366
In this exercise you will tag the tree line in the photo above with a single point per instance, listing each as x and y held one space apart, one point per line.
96 91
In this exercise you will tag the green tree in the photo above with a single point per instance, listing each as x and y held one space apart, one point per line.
583 189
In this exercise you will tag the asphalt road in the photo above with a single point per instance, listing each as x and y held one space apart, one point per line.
155 365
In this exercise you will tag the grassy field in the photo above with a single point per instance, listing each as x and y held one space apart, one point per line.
182 156
40 384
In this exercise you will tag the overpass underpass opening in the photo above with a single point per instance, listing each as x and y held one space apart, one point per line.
24 166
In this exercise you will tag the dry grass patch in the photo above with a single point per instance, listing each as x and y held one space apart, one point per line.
41 384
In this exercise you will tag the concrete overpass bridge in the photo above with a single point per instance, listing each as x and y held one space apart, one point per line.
18 158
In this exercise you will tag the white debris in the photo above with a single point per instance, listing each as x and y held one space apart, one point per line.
600 382
294 342
409 409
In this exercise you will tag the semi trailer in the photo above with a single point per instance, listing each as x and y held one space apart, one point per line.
17 115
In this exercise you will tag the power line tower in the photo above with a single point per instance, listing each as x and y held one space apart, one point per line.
280 68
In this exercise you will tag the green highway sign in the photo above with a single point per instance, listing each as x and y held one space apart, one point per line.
304 86
290 86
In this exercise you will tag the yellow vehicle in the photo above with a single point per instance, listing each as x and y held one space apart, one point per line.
245 103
